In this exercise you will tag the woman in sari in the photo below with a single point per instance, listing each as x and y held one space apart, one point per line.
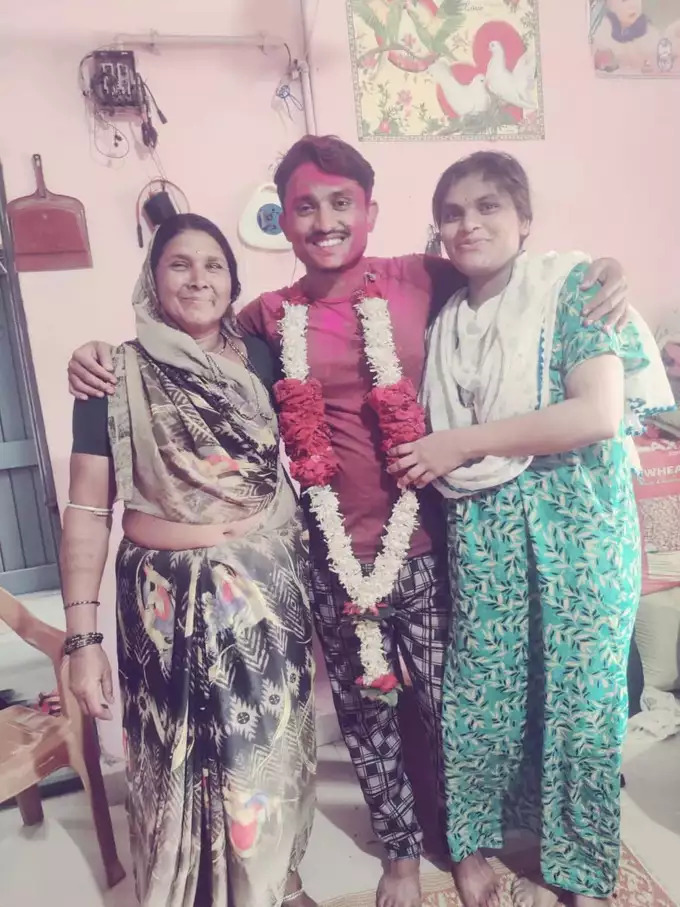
526 406
214 633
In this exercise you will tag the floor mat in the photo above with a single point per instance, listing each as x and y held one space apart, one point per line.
637 888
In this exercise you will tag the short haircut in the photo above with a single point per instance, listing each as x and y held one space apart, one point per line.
503 170
329 154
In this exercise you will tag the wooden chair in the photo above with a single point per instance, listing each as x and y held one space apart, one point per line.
33 745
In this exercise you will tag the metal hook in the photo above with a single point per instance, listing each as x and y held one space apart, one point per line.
284 93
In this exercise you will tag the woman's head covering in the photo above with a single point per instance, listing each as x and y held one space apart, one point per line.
145 297
193 434
163 341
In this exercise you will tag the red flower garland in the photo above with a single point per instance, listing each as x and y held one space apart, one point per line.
305 431
400 417
307 438
385 684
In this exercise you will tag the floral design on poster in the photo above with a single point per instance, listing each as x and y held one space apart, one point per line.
636 38
446 69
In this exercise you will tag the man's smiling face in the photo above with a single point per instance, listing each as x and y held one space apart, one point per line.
327 219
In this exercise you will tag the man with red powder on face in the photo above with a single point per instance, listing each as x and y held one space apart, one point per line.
326 189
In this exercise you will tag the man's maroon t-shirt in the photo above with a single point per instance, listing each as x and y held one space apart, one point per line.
414 286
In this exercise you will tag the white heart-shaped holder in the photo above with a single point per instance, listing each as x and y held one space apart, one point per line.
259 226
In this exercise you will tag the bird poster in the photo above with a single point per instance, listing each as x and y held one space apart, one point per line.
442 70
635 38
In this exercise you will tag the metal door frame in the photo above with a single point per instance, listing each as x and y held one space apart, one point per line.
19 325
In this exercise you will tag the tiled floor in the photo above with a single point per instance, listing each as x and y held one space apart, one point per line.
342 857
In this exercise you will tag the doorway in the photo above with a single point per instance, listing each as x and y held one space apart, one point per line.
29 517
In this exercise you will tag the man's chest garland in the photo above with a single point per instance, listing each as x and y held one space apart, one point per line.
307 437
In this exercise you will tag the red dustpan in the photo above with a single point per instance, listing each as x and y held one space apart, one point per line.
49 231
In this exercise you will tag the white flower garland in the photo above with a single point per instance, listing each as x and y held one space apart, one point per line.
379 340
370 591
293 327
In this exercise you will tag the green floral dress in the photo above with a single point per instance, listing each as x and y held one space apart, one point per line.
535 701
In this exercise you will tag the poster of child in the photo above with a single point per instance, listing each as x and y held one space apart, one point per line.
635 38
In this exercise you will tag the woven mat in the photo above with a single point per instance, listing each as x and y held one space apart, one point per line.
636 888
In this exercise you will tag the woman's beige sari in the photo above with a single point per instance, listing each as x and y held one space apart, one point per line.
214 644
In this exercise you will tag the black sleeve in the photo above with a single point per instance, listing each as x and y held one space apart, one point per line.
90 427
262 361
446 281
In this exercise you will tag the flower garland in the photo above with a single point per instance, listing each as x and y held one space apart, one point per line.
307 437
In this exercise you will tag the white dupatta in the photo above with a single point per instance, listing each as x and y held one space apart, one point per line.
510 373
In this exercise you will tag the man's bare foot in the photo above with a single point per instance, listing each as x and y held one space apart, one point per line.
526 893
400 885
476 882
295 895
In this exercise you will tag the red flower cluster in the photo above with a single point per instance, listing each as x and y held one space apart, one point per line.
305 431
385 684
352 610
400 417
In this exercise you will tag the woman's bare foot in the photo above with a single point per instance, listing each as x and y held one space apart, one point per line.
526 893
400 885
476 882
295 895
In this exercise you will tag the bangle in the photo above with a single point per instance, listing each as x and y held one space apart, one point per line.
97 511
68 605
80 640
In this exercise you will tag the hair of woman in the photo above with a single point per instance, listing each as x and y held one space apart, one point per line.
503 170
181 223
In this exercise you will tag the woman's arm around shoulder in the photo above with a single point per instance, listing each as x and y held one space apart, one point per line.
82 556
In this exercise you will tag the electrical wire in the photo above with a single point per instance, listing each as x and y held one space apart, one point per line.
161 116
290 58
84 87
156 158
97 123
100 124
164 184
119 137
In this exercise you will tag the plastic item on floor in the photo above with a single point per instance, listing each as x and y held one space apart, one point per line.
660 715
657 492
668 338
33 745
657 634
635 678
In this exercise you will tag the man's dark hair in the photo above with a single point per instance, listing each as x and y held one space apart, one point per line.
331 155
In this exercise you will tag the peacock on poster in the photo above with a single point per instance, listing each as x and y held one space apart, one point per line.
446 69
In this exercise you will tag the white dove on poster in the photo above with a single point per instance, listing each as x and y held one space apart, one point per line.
464 99
516 87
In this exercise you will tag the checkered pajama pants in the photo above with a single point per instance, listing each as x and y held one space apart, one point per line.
419 632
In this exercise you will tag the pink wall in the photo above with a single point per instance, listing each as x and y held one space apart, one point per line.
221 138
605 179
